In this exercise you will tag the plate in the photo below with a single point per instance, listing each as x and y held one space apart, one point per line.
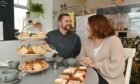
34 71
31 38
32 54
13 82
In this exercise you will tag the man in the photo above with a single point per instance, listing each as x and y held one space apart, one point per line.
67 43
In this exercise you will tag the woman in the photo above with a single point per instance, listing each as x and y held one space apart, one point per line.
103 51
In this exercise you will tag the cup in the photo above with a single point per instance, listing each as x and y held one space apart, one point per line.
71 61
13 64
58 60
9 75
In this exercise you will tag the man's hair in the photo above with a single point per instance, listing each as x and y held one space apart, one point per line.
61 16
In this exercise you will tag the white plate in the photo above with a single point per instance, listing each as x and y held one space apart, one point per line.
38 70
35 71
30 38
32 54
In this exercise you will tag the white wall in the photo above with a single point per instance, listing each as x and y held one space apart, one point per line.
56 8
48 14
8 50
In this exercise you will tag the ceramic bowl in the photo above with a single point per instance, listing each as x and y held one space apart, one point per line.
13 64
9 75
58 60
71 61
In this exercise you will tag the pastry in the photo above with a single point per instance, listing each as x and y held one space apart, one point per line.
29 66
38 50
24 34
23 66
82 72
60 81
79 76
34 35
23 50
64 76
74 82
68 71
30 51
44 64
40 34
84 68
37 66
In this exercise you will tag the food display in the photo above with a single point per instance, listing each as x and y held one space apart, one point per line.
27 35
72 75
34 49
33 66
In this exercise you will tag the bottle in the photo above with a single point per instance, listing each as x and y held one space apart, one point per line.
55 66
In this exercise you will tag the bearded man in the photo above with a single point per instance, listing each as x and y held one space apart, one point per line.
66 42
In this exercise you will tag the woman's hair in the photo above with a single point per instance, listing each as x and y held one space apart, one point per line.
100 27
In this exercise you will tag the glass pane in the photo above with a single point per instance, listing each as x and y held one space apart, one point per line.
21 2
19 15
134 21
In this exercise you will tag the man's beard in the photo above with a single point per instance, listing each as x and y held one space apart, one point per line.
68 28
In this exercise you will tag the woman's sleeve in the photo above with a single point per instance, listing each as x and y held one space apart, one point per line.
114 66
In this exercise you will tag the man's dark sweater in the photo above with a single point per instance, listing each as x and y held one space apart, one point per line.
68 46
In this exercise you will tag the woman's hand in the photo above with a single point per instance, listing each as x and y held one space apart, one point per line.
87 61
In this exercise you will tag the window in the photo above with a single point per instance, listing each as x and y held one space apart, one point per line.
20 9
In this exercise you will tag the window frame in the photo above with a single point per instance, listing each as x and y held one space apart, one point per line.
20 6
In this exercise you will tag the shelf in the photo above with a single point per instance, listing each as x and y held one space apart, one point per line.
126 30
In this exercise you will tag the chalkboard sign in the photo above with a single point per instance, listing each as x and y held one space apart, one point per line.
7 17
